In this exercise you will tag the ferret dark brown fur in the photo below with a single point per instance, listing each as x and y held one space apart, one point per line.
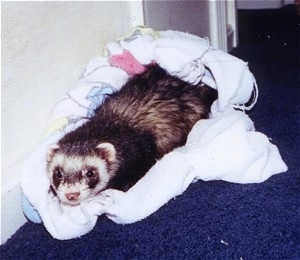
148 117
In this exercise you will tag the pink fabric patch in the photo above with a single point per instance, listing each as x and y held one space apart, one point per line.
127 62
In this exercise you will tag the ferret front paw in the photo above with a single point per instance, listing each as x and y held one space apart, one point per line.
100 203
110 196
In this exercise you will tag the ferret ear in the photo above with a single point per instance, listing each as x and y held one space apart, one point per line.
51 151
107 151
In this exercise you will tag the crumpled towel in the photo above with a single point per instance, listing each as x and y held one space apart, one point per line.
227 139
216 149
192 59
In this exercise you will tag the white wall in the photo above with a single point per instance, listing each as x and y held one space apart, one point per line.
45 46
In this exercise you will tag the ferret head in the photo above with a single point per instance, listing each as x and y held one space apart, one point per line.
76 176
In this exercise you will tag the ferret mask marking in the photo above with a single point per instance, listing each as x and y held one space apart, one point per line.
86 175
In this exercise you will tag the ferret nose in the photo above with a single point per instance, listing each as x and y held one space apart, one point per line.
73 196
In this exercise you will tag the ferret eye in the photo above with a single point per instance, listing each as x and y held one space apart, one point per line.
90 174
58 174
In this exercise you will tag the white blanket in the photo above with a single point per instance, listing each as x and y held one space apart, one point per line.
224 147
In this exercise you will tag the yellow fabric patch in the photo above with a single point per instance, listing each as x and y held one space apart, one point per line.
56 125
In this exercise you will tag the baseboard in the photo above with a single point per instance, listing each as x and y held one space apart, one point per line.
12 217
218 23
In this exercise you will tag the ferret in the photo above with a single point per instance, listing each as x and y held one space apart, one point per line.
133 128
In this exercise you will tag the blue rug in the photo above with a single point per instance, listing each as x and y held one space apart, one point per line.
215 220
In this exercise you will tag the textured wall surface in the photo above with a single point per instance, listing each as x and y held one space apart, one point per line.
45 46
